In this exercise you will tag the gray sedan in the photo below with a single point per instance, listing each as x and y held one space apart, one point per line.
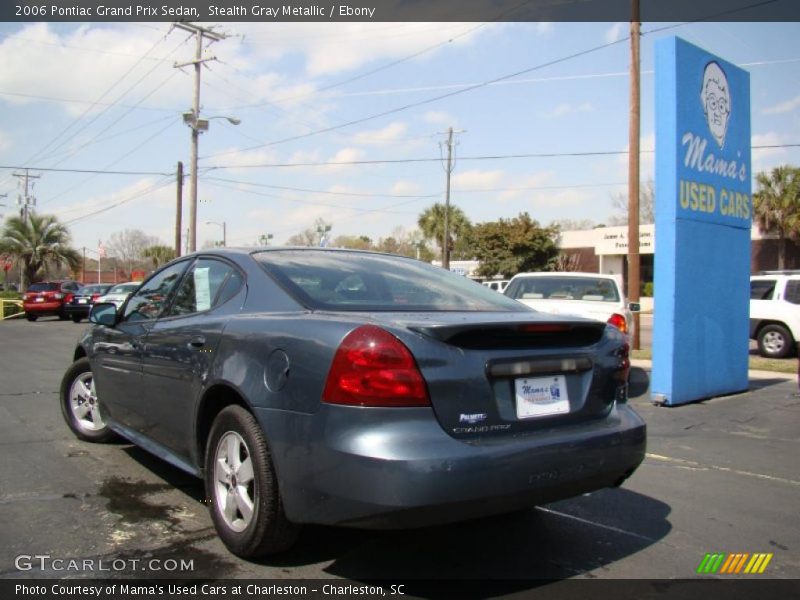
353 388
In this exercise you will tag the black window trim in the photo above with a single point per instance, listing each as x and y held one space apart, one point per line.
163 316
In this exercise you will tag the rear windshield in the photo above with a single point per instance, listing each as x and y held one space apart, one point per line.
352 281
43 287
94 289
125 288
563 288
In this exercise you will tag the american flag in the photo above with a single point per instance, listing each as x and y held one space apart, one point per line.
101 249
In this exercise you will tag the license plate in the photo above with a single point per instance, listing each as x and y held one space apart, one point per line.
541 396
82 300
39 299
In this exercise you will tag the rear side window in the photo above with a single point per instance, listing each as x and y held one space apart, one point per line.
793 291
762 289
354 281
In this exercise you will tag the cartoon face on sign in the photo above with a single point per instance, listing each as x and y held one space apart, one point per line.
716 100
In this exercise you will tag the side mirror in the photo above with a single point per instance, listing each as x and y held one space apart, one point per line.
104 313
634 307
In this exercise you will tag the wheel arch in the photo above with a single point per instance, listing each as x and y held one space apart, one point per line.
79 353
215 399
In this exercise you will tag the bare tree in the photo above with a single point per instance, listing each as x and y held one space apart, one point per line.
647 205
129 245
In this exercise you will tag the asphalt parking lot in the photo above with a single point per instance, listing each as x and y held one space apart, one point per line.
720 476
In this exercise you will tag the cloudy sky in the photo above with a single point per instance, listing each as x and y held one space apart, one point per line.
375 99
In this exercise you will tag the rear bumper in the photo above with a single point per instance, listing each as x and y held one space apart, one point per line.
77 309
366 468
39 308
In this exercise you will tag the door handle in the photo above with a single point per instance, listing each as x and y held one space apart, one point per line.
197 342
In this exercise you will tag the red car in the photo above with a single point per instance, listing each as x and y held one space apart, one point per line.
48 298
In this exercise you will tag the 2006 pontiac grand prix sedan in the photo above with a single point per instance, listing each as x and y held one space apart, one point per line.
353 388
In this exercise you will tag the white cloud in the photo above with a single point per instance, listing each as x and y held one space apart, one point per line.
405 187
390 133
477 180
565 108
614 33
5 142
782 107
437 117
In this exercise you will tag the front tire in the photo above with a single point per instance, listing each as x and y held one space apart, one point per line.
242 487
80 405
775 341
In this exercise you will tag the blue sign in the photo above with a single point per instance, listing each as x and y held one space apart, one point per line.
704 213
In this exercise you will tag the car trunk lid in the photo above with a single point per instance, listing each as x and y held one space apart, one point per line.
512 373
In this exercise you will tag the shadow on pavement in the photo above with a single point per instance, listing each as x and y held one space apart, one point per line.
559 540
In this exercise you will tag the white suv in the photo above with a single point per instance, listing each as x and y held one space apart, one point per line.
775 312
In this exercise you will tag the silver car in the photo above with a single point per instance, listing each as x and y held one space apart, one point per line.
119 293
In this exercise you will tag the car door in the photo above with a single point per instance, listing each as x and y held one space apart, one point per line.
180 350
117 351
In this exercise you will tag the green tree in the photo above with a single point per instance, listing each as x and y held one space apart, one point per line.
431 223
511 246
40 242
776 206
360 242
159 254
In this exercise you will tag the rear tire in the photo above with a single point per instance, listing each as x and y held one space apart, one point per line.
76 318
31 317
775 341
242 487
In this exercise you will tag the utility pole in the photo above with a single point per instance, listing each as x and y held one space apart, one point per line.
193 119
634 276
448 170
25 200
178 209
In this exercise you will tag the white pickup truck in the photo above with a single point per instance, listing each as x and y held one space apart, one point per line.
589 295
775 312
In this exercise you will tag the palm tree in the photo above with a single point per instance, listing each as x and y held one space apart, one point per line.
39 241
159 254
776 206
431 223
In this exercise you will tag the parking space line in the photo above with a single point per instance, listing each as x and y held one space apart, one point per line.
690 463
595 524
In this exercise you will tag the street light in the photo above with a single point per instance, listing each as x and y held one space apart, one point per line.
197 125
323 231
224 231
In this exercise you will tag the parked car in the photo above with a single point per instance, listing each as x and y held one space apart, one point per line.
775 312
589 295
352 388
80 303
48 298
119 293
498 285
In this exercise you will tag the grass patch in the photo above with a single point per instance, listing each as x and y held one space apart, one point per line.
757 363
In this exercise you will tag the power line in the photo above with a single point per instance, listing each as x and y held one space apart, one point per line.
427 100
93 171
327 192
153 188
438 159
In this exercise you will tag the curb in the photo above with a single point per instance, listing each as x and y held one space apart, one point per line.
647 365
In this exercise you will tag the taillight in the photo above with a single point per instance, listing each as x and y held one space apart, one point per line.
95 297
618 321
373 368
624 364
